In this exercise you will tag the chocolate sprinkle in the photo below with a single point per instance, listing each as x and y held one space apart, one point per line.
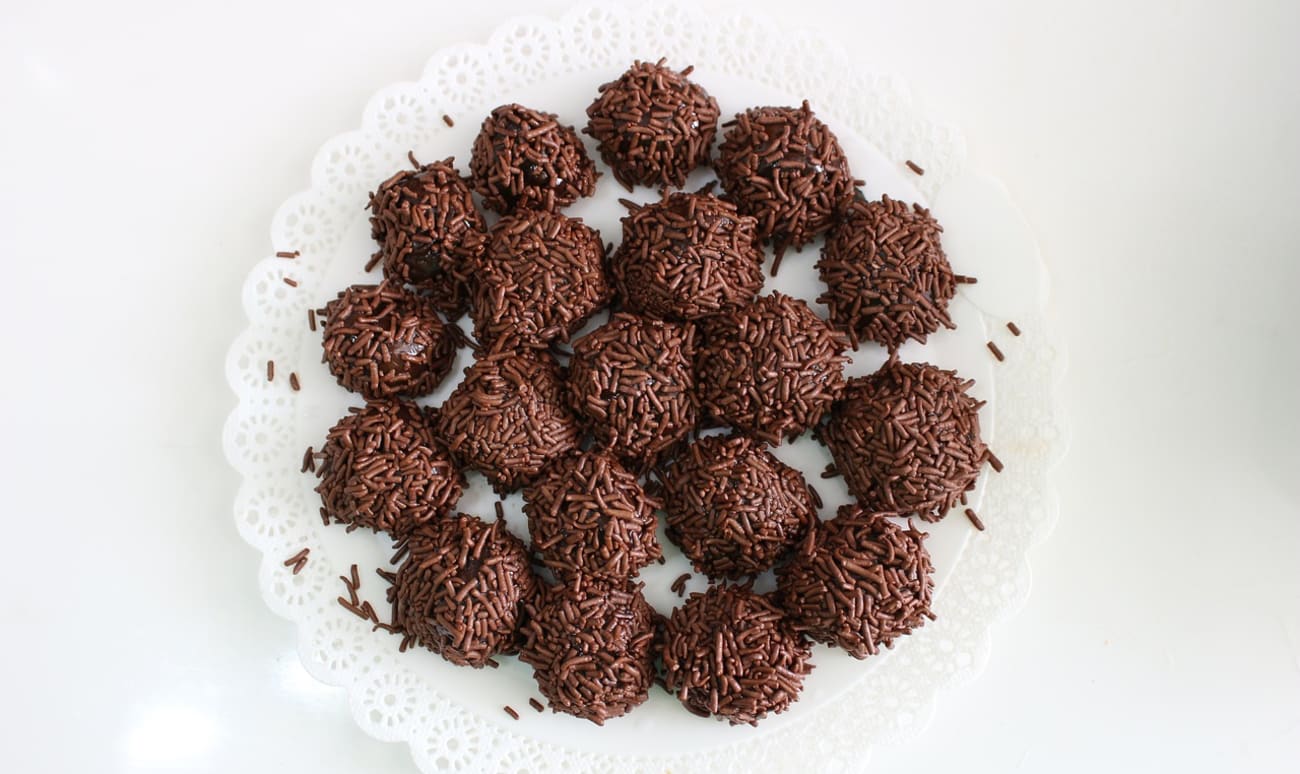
535 704
288 254
912 166
652 125
907 439
428 230
771 369
290 281
1015 329
540 279
786 168
294 383
632 382
730 652
588 515
461 589
592 649
974 520
384 469
733 507
687 257
507 418
997 353
446 119
525 159
511 711
385 341
270 370
887 278
858 582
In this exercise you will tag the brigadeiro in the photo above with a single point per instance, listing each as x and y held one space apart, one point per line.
653 125
907 439
786 168
632 381
461 589
733 507
507 418
887 278
592 649
588 515
859 582
385 341
687 257
427 228
524 159
731 652
770 369
540 279
382 468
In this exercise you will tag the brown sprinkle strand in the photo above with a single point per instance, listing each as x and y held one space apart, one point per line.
309 463
288 254
1015 329
511 711
291 282
296 558
535 704
912 166
996 352
446 119
311 319
270 370
974 520
995 462
293 381
962 279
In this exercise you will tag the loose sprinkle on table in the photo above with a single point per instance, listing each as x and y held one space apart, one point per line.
912 166
535 704
994 461
311 318
309 463
975 520
1015 329
962 279
446 119
288 254
996 352
511 711
270 370
291 282
293 382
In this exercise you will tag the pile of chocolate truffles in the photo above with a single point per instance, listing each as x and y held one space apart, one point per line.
667 408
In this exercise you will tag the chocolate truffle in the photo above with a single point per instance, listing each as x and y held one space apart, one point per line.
907 439
461 589
592 650
426 225
588 515
385 341
540 279
524 159
858 581
383 468
653 125
786 168
733 507
632 382
507 418
731 653
687 257
887 278
771 369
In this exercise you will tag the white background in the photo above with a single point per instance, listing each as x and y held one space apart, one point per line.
1154 148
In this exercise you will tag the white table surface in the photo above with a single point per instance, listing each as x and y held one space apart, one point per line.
1153 149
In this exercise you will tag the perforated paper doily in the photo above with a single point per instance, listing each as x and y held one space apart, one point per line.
451 717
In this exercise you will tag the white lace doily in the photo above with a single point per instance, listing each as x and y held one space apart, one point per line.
404 697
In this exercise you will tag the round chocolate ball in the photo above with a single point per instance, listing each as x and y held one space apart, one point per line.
540 279
887 278
589 516
771 369
461 589
382 468
632 382
731 653
859 582
653 125
786 168
733 507
524 159
592 649
507 418
427 228
907 439
385 341
687 257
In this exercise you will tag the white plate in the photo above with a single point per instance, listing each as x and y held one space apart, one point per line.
453 717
